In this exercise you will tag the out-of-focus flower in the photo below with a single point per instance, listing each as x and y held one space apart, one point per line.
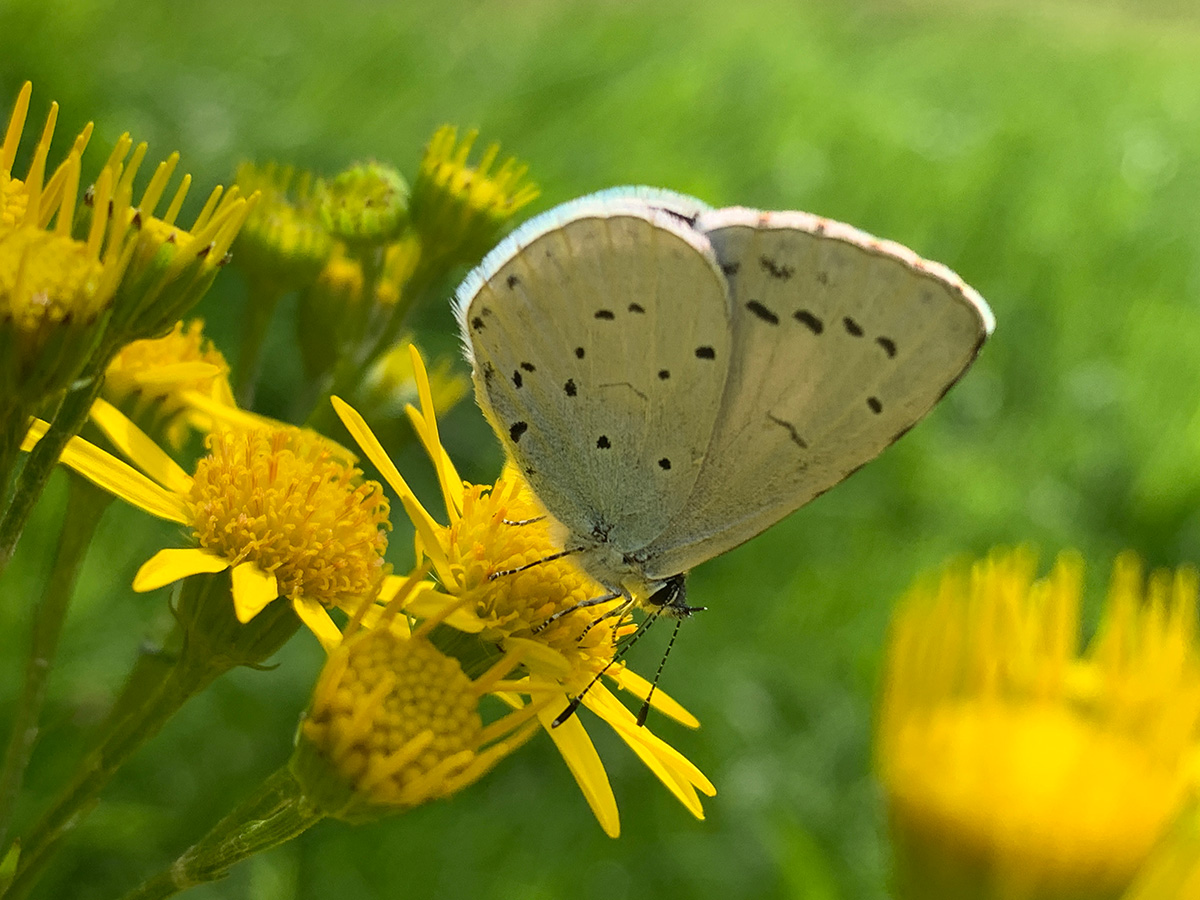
391 384
287 515
517 611
283 244
1014 765
168 385
459 210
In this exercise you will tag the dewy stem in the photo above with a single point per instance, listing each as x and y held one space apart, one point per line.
85 504
275 813
72 413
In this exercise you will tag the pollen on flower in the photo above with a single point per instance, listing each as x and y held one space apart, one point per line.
520 605
1008 754
47 277
282 500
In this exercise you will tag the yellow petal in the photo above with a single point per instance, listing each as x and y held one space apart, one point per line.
106 471
317 620
428 603
224 410
581 758
640 687
137 446
170 565
365 438
253 589
170 374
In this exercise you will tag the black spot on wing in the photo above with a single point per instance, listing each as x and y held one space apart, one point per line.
603 442
636 308
664 464
852 327
762 312
664 374
775 269
706 353
888 345
809 321
876 406
579 353
516 378
569 387
528 367
512 281
606 314
489 372
730 268
477 323
516 429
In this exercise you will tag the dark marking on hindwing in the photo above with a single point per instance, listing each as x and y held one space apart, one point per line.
569 387
730 268
852 328
512 281
606 314
489 372
477 323
664 374
809 321
776 270
516 378
516 429
888 345
706 353
664 464
528 367
603 442
579 353
876 406
762 312
791 430
636 308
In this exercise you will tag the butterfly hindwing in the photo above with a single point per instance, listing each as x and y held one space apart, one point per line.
589 333
840 344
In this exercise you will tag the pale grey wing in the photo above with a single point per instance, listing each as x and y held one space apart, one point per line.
600 341
841 344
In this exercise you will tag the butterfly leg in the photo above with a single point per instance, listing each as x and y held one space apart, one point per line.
523 521
583 604
537 562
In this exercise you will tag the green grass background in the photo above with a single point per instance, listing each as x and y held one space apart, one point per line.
1050 153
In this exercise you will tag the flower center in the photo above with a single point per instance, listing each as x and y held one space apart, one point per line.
280 499
46 278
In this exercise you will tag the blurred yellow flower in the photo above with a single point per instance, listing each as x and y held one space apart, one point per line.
1017 767
168 385
277 506
515 611
283 243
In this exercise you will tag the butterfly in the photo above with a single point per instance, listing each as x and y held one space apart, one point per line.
673 379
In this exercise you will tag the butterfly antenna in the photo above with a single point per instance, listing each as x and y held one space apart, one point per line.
617 657
645 710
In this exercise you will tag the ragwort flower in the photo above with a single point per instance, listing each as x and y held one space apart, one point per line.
277 506
1016 767
479 540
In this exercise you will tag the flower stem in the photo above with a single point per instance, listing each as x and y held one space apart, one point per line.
85 504
214 643
42 459
260 307
274 814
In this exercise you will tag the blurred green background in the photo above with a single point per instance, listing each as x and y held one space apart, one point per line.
1048 152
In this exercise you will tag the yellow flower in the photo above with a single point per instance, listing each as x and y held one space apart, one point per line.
395 723
1016 767
278 507
56 292
460 210
391 383
172 266
169 384
283 243
15 193
513 611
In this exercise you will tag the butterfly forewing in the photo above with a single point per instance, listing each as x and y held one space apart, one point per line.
590 334
840 344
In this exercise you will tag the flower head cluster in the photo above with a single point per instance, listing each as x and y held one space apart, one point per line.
1016 766
490 531
459 209
283 243
364 205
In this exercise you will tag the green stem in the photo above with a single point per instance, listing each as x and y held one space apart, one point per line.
260 308
44 457
276 813
215 642
85 504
